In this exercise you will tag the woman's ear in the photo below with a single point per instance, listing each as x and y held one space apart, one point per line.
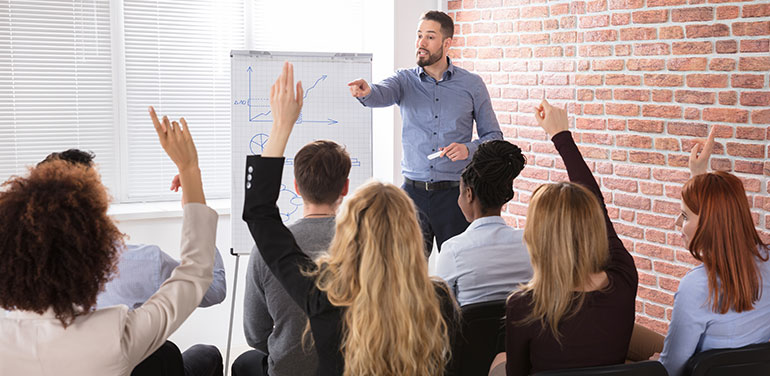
468 194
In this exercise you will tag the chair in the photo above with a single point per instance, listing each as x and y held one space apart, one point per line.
481 337
645 368
747 360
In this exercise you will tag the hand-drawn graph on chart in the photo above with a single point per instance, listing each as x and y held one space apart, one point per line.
328 113
259 108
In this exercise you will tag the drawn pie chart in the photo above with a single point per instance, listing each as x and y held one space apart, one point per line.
257 143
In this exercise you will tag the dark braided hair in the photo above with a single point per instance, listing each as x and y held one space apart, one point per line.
491 172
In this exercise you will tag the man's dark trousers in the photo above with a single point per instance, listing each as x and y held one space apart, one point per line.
439 215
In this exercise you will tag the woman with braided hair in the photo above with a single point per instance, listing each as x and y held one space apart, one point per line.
489 259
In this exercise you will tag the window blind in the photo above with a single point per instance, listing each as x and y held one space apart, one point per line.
177 56
55 83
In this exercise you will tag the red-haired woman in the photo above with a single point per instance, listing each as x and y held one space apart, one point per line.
725 302
58 248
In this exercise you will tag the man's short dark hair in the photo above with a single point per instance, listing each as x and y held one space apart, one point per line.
447 25
75 156
321 169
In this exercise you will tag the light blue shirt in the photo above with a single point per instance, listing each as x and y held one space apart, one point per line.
695 327
141 271
486 262
436 114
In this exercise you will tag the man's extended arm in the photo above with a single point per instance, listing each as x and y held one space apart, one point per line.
383 94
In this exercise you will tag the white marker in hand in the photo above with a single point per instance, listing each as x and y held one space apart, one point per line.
435 155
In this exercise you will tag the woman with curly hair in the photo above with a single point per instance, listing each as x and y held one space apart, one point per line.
372 308
59 248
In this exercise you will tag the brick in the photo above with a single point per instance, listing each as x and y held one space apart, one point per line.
648 126
649 280
665 3
603 94
559 9
754 63
505 14
550 51
749 167
728 12
751 28
655 236
619 19
646 157
761 117
588 79
587 22
670 269
755 98
622 109
514 93
534 12
660 95
596 138
478 41
756 10
726 115
596 6
707 80
487 66
707 31
720 164
646 64
607 35
528 26
590 123
633 141
592 152
631 201
727 46
639 33
648 188
594 50
696 97
679 160
692 14
485 27
533 38
630 171
670 144
647 49
666 80
691 113
728 98
654 251
467 16
692 48
626 4
593 109
564 37
687 64
749 81
554 79
650 16
630 231
622 79
670 175
616 124
655 296
558 66
745 150
656 110
560 93
569 22
722 64
671 32
607 65
632 95
625 185
666 207
755 45
622 50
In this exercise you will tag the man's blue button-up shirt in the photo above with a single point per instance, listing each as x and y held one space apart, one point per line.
436 114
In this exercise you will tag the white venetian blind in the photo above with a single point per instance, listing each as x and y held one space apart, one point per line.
178 60
55 83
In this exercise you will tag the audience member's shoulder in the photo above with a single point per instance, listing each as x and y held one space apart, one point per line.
518 305
141 251
694 284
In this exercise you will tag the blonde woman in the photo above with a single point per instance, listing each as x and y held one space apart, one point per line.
372 308
578 309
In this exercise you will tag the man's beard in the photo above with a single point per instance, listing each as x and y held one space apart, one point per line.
430 59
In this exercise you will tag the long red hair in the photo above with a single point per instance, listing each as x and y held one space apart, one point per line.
725 240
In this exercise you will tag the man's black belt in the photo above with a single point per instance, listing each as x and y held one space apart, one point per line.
432 185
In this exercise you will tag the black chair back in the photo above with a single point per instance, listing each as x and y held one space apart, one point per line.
481 337
747 360
645 368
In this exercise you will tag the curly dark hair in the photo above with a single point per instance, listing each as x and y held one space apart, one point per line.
58 245
491 172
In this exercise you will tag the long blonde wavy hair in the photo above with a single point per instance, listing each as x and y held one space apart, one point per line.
566 238
376 269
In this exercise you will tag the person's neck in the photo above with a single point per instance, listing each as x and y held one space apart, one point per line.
310 210
480 213
437 69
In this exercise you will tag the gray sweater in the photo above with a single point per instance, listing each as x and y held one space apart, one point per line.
272 321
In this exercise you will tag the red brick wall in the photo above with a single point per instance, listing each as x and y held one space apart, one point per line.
643 80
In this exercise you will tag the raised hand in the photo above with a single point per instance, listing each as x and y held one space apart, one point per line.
175 183
700 154
552 119
176 140
285 104
455 152
359 88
